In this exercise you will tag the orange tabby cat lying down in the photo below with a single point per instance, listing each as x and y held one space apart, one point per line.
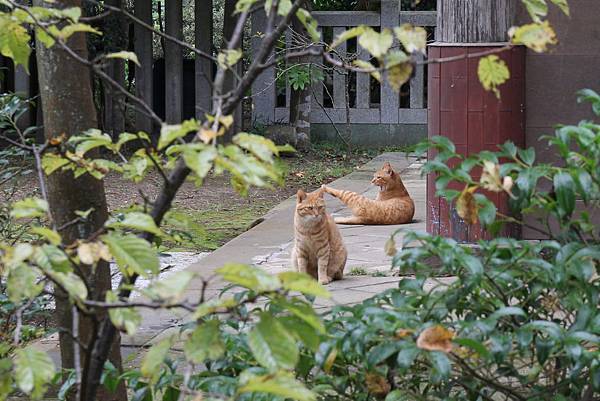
393 204
318 247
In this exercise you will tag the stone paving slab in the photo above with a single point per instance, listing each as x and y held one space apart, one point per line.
268 246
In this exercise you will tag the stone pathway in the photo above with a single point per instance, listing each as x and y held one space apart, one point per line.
268 246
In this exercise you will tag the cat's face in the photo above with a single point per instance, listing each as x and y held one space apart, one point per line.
310 206
384 176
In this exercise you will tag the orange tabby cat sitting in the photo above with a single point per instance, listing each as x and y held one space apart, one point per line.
318 247
393 204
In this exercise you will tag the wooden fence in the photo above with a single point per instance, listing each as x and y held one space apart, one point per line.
329 100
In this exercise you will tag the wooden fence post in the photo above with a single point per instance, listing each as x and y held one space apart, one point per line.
173 62
143 73
203 10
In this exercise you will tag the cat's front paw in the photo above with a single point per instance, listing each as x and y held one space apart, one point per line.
325 280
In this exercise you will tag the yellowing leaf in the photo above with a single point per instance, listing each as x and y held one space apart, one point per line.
466 206
413 38
398 75
349 34
52 236
69 30
206 135
368 67
309 23
492 71
125 55
376 43
29 208
91 252
507 183
226 121
402 333
436 338
490 177
535 36
228 58
14 42
390 247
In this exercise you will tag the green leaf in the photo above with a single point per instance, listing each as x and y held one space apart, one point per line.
535 36
563 5
22 283
213 305
127 319
348 34
381 352
260 146
272 345
250 277
33 371
29 208
124 55
205 343
244 5
368 67
508 311
200 161
376 43
52 162
564 186
71 282
303 311
71 29
591 96
91 139
440 363
486 210
284 7
301 282
41 35
14 41
229 57
154 358
474 345
281 384
132 254
168 133
407 356
136 221
172 287
52 236
309 23
536 9
492 71
413 38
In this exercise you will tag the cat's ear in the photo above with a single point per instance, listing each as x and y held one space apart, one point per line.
300 195
320 192
387 167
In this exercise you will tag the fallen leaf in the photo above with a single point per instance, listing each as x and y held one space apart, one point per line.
377 384
402 333
435 338
390 247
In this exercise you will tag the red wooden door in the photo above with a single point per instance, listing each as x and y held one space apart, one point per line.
475 120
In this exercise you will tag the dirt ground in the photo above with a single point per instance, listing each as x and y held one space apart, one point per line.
219 212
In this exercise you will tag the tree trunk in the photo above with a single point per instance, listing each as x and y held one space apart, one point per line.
468 21
229 21
203 67
143 50
301 99
173 62
68 108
